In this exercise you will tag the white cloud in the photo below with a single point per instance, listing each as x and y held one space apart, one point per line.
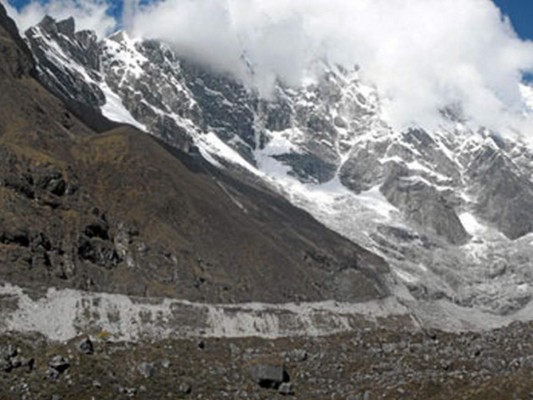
131 8
421 54
89 14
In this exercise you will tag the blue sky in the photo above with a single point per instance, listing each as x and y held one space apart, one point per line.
521 13
115 9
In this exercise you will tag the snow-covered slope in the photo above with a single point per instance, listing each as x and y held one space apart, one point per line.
451 210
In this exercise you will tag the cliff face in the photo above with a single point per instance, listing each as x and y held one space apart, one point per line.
119 211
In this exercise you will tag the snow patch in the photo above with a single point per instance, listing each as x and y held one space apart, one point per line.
523 288
282 142
114 109
471 224
406 276
210 145
374 200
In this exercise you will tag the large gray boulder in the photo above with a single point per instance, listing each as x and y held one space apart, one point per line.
269 375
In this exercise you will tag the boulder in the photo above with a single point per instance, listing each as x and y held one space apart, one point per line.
59 364
146 369
285 389
269 375
85 346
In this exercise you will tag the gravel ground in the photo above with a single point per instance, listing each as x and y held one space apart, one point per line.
364 365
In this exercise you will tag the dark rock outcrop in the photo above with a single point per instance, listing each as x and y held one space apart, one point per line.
424 205
504 194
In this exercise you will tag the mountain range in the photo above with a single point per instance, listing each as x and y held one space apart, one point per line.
449 210
167 231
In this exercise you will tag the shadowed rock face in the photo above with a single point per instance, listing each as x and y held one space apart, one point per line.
16 59
505 195
121 212
423 204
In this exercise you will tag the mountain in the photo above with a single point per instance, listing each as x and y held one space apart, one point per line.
450 210
115 210
187 263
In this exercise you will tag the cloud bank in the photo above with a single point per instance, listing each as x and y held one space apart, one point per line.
422 55
89 14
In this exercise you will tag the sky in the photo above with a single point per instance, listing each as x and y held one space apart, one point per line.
519 11
521 15
422 55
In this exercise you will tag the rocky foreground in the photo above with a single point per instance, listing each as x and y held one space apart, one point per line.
364 365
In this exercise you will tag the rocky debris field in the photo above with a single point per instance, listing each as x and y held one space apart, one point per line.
364 365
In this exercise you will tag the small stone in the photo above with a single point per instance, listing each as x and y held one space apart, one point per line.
129 392
364 396
446 365
51 374
285 389
354 397
8 352
59 364
297 355
5 365
28 364
16 362
85 346
146 369
185 388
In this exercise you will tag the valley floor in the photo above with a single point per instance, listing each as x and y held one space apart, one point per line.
366 364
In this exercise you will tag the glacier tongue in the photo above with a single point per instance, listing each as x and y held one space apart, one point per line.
451 210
